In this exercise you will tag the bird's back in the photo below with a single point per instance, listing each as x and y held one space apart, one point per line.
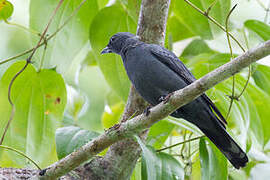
156 72
150 77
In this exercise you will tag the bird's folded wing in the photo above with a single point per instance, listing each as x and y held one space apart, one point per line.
170 59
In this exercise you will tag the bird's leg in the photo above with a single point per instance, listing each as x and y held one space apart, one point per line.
147 110
165 98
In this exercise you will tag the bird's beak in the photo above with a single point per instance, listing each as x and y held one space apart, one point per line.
106 50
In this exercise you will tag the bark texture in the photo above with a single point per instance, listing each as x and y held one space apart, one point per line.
122 156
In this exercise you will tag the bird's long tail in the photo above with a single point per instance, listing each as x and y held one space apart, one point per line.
226 144
212 127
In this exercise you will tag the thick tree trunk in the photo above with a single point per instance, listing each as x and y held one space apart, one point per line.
121 158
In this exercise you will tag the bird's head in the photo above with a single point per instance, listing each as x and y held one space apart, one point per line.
117 42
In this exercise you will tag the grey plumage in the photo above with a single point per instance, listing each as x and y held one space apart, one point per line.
155 72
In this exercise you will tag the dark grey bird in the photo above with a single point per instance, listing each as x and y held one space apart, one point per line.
156 72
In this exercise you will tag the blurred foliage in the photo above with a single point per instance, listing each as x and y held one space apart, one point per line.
6 9
78 93
70 138
39 99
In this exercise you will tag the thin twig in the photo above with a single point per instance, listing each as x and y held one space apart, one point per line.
232 57
230 35
177 144
261 4
50 37
210 7
28 61
22 27
267 12
21 153
43 55
215 22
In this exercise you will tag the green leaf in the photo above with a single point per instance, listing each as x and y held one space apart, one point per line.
39 99
196 168
219 12
77 103
111 118
62 49
184 124
159 165
102 3
213 162
92 82
261 77
70 138
260 28
6 9
196 47
110 64
196 23
132 7
89 60
159 133
177 30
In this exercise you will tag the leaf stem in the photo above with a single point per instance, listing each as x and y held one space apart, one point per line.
232 57
214 21
177 144
50 37
22 27
28 61
21 153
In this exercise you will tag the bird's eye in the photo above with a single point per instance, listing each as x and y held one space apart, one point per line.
112 39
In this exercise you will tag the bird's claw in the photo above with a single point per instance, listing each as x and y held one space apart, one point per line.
147 111
165 99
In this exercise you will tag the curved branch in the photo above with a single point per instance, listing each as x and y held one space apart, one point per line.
142 122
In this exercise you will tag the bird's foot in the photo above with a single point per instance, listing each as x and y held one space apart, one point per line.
165 99
147 111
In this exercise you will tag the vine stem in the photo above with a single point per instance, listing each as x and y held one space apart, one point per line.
214 21
49 38
21 153
177 144
28 61
232 57
206 14
22 27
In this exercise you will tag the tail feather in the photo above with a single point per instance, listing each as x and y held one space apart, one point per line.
210 125
227 146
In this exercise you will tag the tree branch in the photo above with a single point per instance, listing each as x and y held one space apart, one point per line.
142 122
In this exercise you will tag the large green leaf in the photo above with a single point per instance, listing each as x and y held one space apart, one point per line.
132 7
176 30
111 65
70 138
196 23
196 47
72 38
213 162
159 165
39 99
111 118
260 28
262 77
159 133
